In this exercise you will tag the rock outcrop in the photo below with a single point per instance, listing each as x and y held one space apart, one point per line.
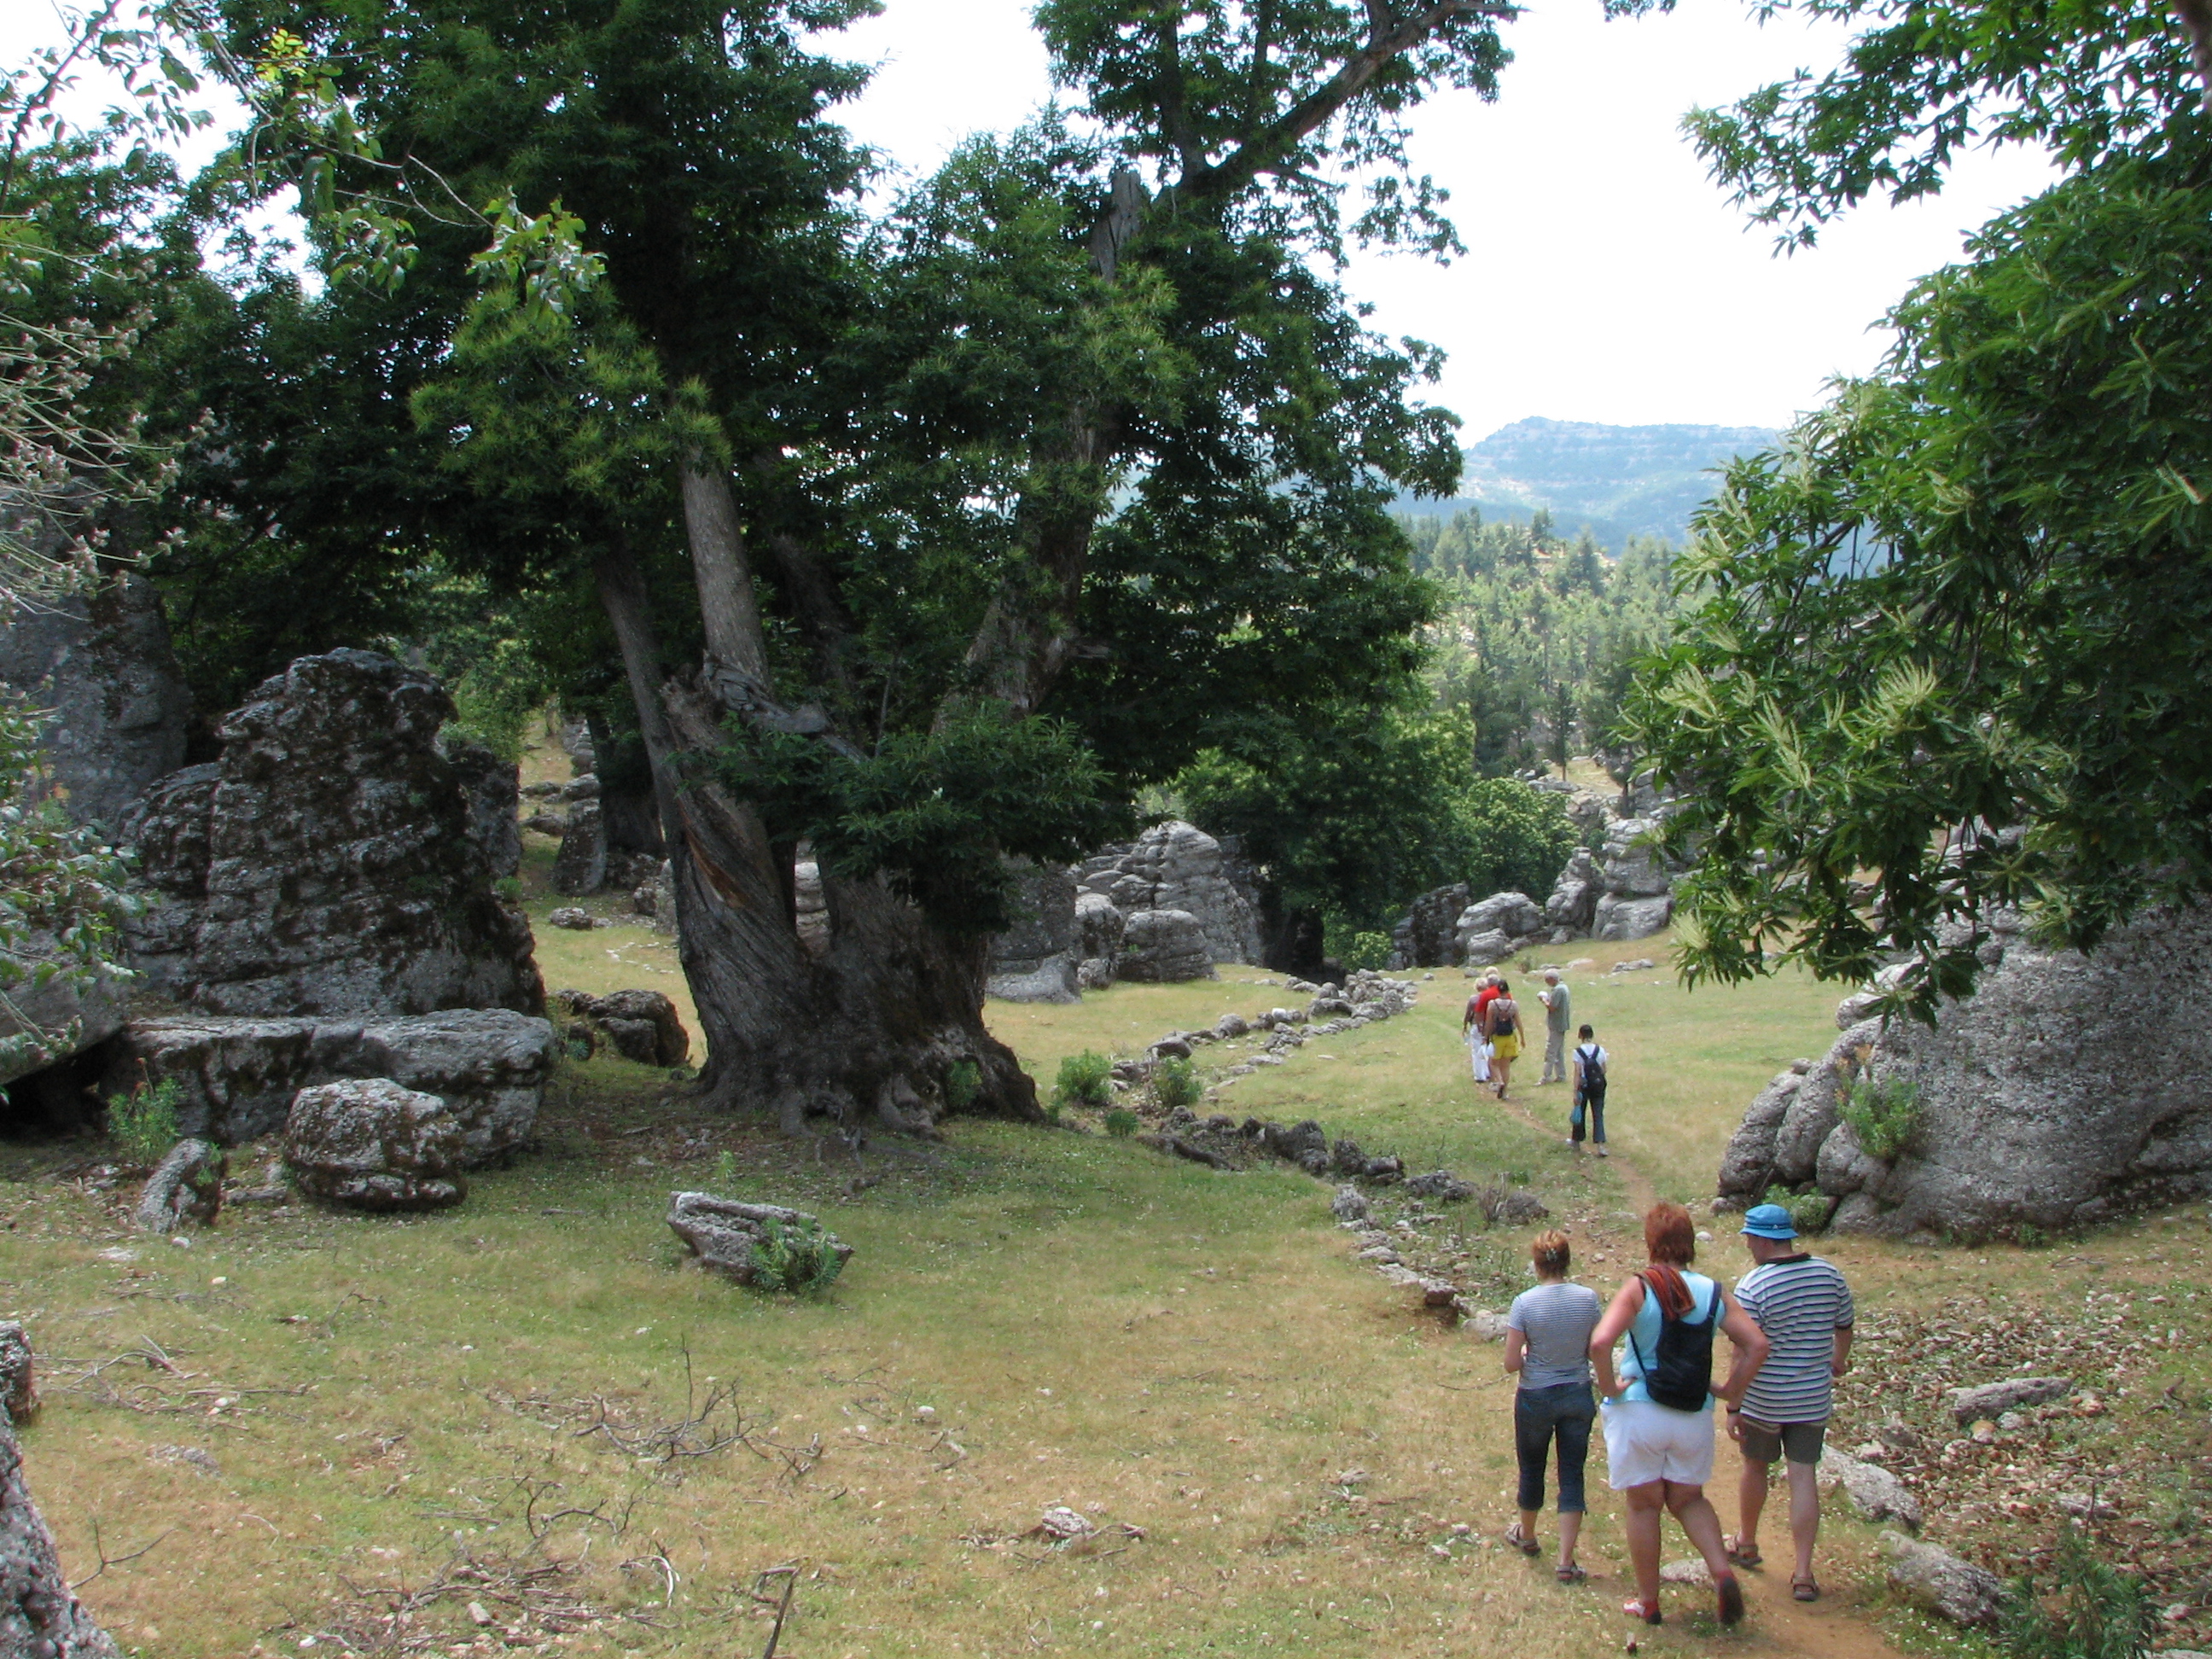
236 1077
492 788
102 663
639 1025
1164 947
1035 960
1176 866
2016 1129
325 865
39 1615
368 1143
1428 935
580 868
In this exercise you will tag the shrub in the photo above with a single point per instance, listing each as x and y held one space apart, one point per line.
508 890
794 1261
144 1122
2089 1611
1121 1121
1809 1212
1085 1079
1175 1083
1884 1116
1367 951
963 1083
726 1171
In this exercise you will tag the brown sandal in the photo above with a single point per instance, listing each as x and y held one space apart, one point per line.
1804 1590
1521 1541
1743 1554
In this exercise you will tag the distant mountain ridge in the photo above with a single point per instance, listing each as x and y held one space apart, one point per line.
1614 481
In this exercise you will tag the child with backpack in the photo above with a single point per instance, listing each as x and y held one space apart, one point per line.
1589 1063
1658 1412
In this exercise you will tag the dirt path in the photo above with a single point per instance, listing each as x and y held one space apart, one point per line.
1835 1627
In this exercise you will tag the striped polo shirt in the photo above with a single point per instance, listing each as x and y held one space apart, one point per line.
1556 1319
1800 1301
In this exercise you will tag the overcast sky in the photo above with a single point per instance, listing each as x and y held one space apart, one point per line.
1607 280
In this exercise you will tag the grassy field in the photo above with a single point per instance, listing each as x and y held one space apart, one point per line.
525 1426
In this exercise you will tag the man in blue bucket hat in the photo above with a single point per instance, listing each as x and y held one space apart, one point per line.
1804 1306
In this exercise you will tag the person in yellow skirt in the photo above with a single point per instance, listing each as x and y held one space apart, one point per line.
1501 1023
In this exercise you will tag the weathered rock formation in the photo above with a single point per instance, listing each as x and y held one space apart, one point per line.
186 1186
2046 1100
237 1077
325 865
1035 960
1178 867
580 866
1164 947
1428 936
102 663
639 1025
723 1233
491 786
369 1144
1496 926
38 1614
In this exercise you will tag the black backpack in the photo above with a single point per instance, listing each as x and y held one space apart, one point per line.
1592 1075
1682 1375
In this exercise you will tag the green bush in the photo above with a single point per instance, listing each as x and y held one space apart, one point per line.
508 889
726 1172
1884 1116
962 1084
1367 951
1809 1212
794 1261
2088 1611
144 1122
1121 1122
1175 1083
1085 1079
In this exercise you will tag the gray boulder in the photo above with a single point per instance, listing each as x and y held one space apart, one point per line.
1621 919
1176 866
101 661
369 1144
1747 1165
237 1077
67 1018
1094 973
1428 935
491 786
1044 931
1938 1582
186 1186
1052 980
39 1613
810 906
1099 927
1989 1400
580 866
640 1025
325 865
721 1233
1480 950
1630 866
1350 1204
19 1384
1440 1186
664 898
1875 1493
1575 894
1164 947
1511 916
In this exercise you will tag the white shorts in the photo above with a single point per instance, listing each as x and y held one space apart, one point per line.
1646 1441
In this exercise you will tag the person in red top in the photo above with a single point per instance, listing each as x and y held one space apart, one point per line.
1471 1022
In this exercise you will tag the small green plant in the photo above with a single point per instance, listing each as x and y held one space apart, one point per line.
1121 1122
2032 1237
2089 1610
962 1085
1085 1079
794 1261
144 1122
509 889
1175 1083
1809 1212
1884 1116
1367 951
726 1171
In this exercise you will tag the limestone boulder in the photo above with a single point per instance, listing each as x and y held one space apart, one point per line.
1052 980
1875 1493
1099 927
1747 1165
1176 866
1573 902
325 865
66 1016
368 1143
723 1234
640 1025
1630 866
1480 950
1428 935
1045 927
39 1614
237 1077
1516 915
19 1384
1621 919
580 866
102 663
492 788
1164 947
1938 1582
186 1187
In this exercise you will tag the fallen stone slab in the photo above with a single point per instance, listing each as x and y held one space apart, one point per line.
186 1186
1938 1582
724 1233
1972 1405
1875 1493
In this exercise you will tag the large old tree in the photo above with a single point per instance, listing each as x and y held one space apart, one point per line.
994 507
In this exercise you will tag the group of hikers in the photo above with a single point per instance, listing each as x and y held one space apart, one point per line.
1790 1321
1492 1027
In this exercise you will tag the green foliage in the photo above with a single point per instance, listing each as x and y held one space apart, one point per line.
1085 1079
1175 1083
143 1123
1809 1212
962 1085
1121 1122
794 1261
726 1171
2088 1609
1884 1114
1368 949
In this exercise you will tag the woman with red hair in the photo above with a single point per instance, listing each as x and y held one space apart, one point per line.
1658 1412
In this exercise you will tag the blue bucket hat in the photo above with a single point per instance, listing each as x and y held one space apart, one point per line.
1769 1221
